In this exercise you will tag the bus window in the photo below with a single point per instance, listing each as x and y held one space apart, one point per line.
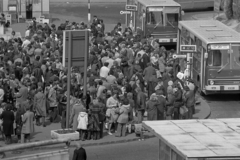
172 19
236 56
155 18
215 57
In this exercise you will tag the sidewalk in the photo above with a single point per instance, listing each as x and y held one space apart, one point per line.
43 133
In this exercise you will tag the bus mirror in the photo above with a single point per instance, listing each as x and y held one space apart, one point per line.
206 55
182 13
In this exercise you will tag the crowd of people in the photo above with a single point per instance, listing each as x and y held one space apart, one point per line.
129 77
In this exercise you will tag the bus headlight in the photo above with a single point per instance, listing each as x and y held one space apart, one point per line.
211 82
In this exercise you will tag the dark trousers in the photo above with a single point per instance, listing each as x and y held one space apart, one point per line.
101 129
121 130
82 134
176 113
151 88
140 115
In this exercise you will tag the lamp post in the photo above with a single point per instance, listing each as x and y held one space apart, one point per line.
89 13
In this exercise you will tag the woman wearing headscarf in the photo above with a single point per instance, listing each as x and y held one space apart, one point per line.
8 119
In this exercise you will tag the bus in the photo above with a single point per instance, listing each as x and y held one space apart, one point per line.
216 64
159 19
195 4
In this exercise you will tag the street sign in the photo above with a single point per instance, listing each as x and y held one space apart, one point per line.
125 12
131 8
188 48
175 56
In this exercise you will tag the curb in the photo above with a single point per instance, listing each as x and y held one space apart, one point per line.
84 145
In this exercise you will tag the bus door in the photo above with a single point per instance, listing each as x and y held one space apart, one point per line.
235 61
218 64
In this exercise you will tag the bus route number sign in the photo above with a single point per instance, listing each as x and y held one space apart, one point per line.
131 8
188 48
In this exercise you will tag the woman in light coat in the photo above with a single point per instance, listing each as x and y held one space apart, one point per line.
123 118
82 125
77 108
28 125
39 105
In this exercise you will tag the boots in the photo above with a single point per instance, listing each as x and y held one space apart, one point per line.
83 135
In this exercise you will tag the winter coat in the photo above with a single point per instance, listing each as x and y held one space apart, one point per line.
123 114
151 110
8 119
77 108
28 124
189 98
40 104
82 120
161 64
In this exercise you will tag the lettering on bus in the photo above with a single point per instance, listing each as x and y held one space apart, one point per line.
219 47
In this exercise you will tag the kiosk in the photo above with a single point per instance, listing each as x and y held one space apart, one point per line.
211 139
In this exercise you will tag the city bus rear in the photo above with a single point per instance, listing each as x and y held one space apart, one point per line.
162 24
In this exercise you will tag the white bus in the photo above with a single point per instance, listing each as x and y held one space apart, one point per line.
216 64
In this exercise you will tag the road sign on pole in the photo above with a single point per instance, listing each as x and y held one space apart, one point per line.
188 48
175 56
131 8
125 12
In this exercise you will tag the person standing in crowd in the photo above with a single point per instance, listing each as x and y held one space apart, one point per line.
123 118
7 117
140 104
76 109
28 125
39 106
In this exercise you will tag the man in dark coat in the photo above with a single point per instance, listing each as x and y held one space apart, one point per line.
161 104
140 104
8 119
79 153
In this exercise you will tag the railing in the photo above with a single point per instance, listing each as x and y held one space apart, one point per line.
34 144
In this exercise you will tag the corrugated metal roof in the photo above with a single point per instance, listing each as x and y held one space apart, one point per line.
211 31
157 3
199 138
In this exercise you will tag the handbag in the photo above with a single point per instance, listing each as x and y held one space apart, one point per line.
18 130
183 110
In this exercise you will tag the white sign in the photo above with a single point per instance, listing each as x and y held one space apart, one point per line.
125 12
154 9
164 40
219 47
175 56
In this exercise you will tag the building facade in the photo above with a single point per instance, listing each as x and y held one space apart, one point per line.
26 9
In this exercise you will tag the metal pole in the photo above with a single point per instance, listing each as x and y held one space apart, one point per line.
85 64
89 13
69 77
41 7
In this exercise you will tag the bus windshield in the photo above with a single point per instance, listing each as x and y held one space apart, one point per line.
155 18
236 56
218 55
172 19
